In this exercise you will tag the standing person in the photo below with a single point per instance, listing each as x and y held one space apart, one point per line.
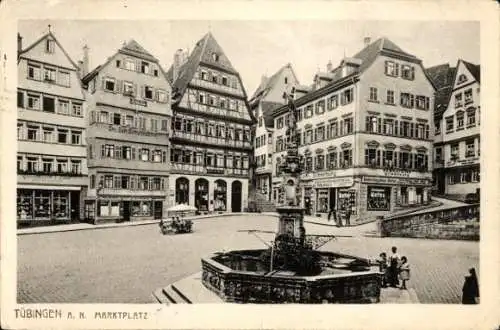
404 272
348 216
334 211
383 268
393 267
470 290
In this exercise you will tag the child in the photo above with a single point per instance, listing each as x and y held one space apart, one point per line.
404 272
382 262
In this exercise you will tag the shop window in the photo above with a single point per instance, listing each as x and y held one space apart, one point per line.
61 204
378 198
43 204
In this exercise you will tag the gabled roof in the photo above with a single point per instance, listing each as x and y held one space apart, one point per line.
131 48
441 75
474 69
48 34
266 85
201 54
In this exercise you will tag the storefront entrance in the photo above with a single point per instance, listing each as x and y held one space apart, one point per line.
158 210
236 196
220 196
126 211
201 195
182 191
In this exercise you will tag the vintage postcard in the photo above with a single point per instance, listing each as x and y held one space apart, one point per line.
281 164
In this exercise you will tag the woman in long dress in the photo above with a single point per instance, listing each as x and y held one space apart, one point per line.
470 290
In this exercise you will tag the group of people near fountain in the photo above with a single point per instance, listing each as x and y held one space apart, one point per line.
394 268
343 212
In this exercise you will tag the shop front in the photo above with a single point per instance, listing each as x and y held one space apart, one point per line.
220 196
334 194
38 205
117 209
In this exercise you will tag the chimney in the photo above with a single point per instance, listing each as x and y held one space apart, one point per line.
85 60
19 43
178 59
80 68
329 67
367 41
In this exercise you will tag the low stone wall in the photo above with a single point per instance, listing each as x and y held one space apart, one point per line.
459 223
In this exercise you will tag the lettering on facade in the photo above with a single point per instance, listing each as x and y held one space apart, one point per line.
463 161
333 183
138 102
396 172
327 174
215 170
395 181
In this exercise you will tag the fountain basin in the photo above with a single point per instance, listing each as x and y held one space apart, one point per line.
241 277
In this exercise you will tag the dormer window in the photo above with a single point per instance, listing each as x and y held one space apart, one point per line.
286 80
215 57
145 67
49 46
462 78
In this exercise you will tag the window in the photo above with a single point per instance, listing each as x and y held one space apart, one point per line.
348 125
373 94
222 103
437 127
63 107
76 109
388 158
62 166
449 124
48 104
475 175
204 75
390 97
64 78
455 150
211 100
148 92
145 67
391 69
76 137
49 46
108 181
32 164
109 84
117 119
154 125
333 102
458 100
47 165
470 150
215 57
279 122
420 131
19 163
388 126
157 156
439 155
48 135
332 130
215 78
308 136
407 100
201 98
471 118
20 129
422 102
103 117
308 111
155 72
76 166
309 166
320 107
468 96
130 65
347 96
33 133
332 160
118 63
20 99
33 102
225 82
407 72
62 136
162 96
128 88
460 120
127 152
320 162
371 124
346 158
320 133
144 155
33 71
405 129
462 78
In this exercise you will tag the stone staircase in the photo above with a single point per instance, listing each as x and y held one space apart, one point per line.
260 201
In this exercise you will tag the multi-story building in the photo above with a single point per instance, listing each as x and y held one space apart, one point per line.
457 132
51 156
128 137
267 97
364 134
211 140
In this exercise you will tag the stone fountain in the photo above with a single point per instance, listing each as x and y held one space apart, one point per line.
291 269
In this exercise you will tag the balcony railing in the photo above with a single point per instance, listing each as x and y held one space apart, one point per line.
201 169
49 173
204 139
128 130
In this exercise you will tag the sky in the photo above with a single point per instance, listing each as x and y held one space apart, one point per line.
257 48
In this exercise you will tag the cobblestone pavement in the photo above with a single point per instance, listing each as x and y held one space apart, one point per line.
125 265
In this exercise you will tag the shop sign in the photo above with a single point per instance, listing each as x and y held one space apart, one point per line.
463 162
138 102
396 172
325 174
215 170
334 183
395 181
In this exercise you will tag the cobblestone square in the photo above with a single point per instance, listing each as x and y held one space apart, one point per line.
125 265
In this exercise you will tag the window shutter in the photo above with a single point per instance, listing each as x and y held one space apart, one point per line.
427 132
367 160
118 86
143 91
378 158
379 125
138 65
412 100
386 68
384 157
395 162
133 154
103 151
412 130
396 69
412 73
92 116
103 83
396 130
426 103
111 118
